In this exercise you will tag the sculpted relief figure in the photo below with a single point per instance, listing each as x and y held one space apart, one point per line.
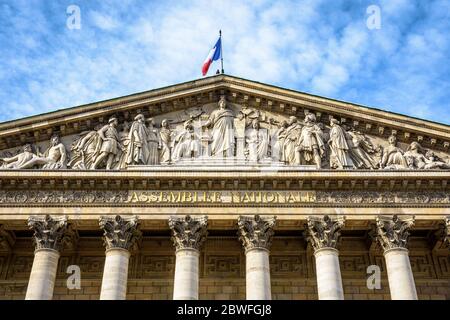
124 139
55 157
392 157
222 123
414 156
278 140
153 143
290 137
165 138
110 145
340 156
417 158
311 144
186 143
85 149
433 162
18 160
361 150
257 142
137 151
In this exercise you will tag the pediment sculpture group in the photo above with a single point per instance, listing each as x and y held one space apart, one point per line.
293 142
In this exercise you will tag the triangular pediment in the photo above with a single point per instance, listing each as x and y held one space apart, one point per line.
196 100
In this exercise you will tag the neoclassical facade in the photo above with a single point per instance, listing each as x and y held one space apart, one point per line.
224 188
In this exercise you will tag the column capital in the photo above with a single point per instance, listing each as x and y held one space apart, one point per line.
188 232
392 232
119 232
256 232
323 232
48 231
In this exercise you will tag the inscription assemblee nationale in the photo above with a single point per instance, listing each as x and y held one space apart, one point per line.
144 196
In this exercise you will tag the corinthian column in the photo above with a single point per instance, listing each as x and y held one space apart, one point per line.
323 234
48 233
188 234
119 234
256 235
392 234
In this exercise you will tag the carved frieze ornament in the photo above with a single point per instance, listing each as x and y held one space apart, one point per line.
323 232
256 232
393 231
188 232
119 232
48 231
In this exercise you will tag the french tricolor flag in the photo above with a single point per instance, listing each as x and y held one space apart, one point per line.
213 55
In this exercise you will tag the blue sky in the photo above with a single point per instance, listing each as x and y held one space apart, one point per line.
321 47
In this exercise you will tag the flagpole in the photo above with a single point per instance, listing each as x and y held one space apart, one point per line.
221 50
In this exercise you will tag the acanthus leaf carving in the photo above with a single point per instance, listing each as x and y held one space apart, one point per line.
188 232
392 232
48 231
120 232
323 232
256 232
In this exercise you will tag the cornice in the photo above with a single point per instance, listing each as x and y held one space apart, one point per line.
198 92
203 179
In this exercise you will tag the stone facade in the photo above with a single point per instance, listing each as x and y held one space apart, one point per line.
152 198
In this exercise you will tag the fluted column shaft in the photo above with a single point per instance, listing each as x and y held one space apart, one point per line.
392 234
120 234
48 232
323 234
256 235
188 234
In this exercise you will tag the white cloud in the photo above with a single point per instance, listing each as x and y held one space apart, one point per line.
313 46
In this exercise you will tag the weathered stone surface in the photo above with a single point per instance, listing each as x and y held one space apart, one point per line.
324 232
256 232
48 231
393 232
119 232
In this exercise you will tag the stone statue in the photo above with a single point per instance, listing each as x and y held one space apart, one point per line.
85 149
248 115
433 162
152 143
138 151
222 123
290 138
257 142
361 150
17 161
339 158
165 138
278 141
124 138
414 156
110 146
311 144
55 157
186 143
392 157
